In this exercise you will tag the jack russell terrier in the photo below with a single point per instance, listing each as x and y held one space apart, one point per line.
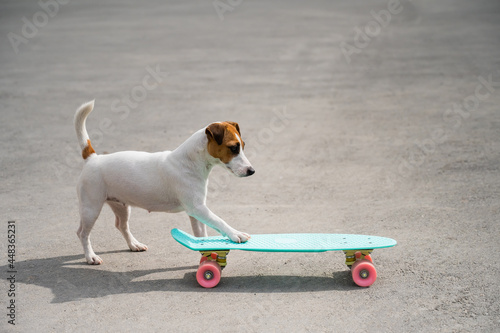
168 181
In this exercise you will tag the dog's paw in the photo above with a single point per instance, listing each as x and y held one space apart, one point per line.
239 237
94 260
137 247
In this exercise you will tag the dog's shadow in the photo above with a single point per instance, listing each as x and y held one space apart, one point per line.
70 278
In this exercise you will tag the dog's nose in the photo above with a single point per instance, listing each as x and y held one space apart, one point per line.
250 171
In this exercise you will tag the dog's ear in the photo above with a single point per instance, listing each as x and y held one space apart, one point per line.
235 126
215 132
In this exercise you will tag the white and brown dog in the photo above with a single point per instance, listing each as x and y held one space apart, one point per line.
168 181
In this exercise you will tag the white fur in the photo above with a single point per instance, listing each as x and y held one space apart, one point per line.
166 181
79 121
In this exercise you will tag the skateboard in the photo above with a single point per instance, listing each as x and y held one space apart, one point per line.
214 251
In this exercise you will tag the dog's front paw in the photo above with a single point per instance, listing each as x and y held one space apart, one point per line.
136 246
238 237
94 260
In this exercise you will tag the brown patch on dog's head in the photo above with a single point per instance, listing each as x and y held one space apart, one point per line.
224 140
237 127
87 151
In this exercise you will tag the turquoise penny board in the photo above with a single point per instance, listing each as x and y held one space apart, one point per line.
285 242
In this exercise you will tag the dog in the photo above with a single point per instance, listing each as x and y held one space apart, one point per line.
168 181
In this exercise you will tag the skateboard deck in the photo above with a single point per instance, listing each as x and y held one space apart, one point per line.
357 249
285 242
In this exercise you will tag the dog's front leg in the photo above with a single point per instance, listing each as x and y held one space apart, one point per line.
199 229
205 215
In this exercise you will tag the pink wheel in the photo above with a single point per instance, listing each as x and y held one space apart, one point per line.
364 273
208 275
203 259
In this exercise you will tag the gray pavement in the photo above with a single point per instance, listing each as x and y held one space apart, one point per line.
373 117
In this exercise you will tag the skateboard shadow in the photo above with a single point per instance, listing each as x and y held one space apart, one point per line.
70 278
340 281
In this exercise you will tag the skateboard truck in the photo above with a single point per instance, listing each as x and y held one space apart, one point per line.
351 256
219 257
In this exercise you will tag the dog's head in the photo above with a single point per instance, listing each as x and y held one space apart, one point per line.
225 144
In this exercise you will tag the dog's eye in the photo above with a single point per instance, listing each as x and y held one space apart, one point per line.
235 149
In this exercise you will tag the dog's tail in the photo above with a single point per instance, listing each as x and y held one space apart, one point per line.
81 131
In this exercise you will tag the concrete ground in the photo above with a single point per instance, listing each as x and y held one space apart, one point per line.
372 117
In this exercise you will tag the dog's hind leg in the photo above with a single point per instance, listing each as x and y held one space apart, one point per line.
89 212
199 229
122 214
